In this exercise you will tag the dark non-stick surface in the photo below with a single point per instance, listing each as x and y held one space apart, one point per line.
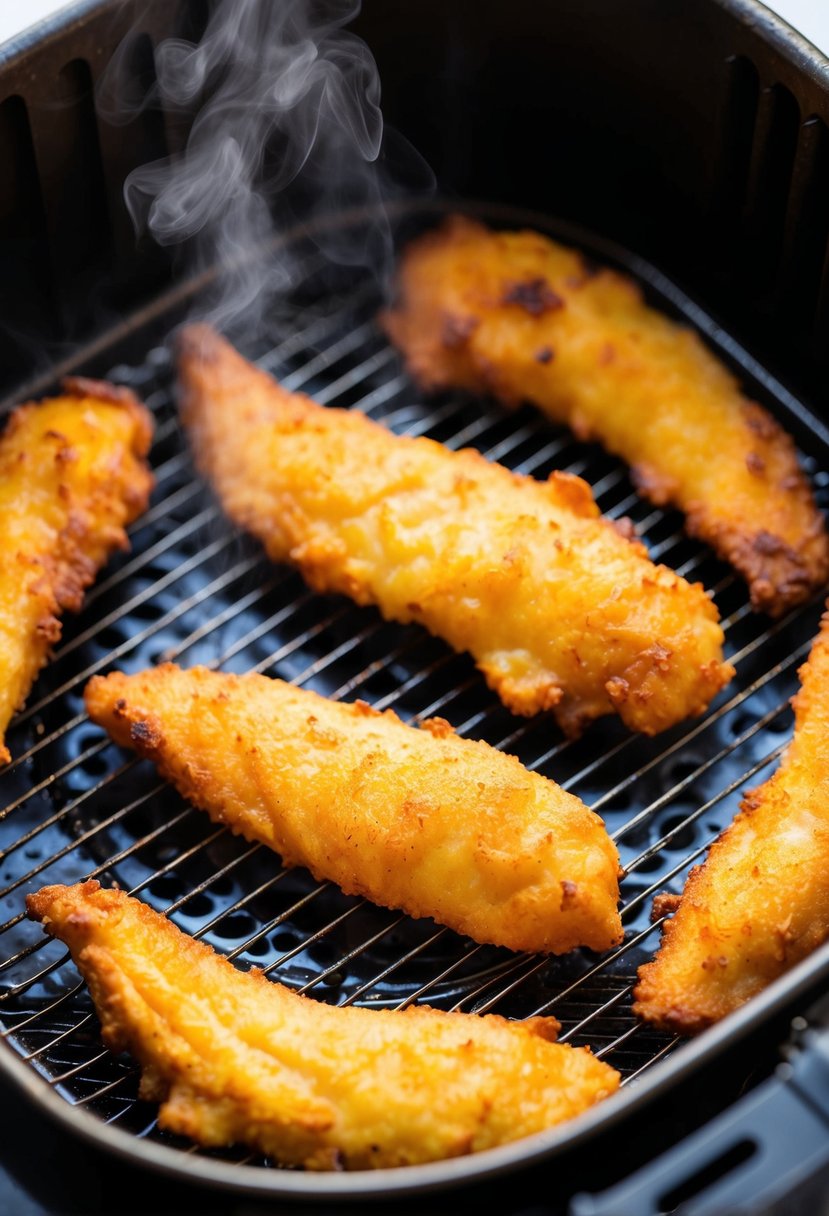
193 590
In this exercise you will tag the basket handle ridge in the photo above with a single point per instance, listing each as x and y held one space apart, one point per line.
767 1155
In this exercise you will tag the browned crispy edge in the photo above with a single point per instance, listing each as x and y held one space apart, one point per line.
675 1019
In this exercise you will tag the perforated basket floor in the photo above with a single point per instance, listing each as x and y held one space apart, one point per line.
192 589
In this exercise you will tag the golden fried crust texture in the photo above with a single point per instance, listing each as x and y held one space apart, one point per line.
558 609
415 819
519 316
760 903
234 1058
72 475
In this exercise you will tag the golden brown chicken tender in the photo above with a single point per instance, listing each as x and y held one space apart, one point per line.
72 475
415 819
760 903
558 609
234 1058
526 319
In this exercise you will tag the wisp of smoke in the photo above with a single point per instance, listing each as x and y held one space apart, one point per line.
286 126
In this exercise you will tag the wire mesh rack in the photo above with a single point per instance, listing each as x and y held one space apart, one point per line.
193 590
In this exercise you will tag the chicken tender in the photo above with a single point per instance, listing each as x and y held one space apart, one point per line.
234 1058
421 820
559 610
72 475
760 903
517 315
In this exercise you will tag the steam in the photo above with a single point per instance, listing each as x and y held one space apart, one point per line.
291 129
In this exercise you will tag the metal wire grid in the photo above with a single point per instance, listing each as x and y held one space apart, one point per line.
192 590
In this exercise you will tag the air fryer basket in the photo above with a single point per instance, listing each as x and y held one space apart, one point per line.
192 589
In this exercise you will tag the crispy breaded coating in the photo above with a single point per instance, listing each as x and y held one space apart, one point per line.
517 315
760 903
559 610
421 820
72 475
234 1058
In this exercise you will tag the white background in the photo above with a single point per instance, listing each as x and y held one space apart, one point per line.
811 17
16 15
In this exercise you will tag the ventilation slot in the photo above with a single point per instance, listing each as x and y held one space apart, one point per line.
770 175
131 134
806 231
72 180
732 159
23 268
